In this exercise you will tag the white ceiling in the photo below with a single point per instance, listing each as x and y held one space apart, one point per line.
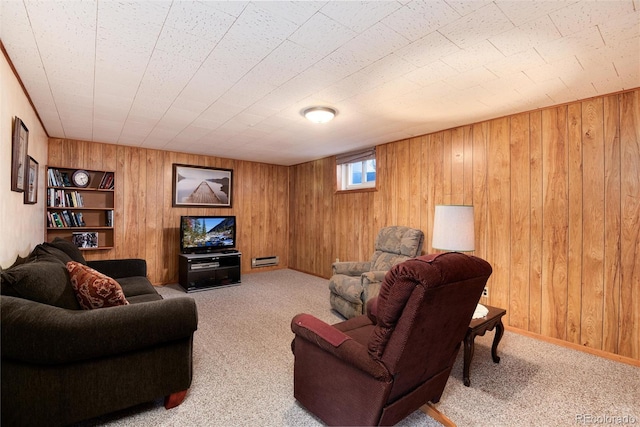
229 79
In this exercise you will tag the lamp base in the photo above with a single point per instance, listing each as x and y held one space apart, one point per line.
481 311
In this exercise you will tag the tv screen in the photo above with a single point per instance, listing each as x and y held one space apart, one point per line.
203 234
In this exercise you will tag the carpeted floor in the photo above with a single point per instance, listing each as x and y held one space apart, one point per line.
243 370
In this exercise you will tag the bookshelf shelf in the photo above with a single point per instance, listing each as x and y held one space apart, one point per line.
83 215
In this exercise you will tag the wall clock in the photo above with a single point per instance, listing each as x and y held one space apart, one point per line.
80 178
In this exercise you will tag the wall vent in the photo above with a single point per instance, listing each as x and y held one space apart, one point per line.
265 261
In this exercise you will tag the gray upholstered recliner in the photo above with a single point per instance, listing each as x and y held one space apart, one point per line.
355 283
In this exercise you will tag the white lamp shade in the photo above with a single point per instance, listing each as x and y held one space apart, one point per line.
320 114
453 228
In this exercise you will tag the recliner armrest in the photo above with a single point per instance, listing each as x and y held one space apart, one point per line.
338 344
351 268
42 334
373 277
119 268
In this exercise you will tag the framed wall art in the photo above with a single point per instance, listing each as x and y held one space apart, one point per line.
31 188
201 186
19 156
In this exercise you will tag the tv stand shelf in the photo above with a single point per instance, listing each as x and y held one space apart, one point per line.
198 272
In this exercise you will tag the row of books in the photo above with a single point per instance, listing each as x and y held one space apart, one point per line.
107 181
61 198
61 178
65 219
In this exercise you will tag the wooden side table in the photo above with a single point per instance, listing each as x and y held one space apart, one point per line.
493 319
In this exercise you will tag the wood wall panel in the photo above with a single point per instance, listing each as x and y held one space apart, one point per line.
557 210
520 223
629 335
575 211
147 224
554 223
612 228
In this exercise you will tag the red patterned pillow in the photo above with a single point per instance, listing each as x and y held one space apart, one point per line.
94 289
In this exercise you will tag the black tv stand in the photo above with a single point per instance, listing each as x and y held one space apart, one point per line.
205 271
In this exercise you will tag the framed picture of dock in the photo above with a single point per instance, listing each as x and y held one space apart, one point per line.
201 186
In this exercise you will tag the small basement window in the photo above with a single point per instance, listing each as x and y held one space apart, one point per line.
356 170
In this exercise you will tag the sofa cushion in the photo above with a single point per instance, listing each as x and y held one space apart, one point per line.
94 289
69 248
46 282
136 285
44 252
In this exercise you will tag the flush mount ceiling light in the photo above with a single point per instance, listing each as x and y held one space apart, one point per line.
319 114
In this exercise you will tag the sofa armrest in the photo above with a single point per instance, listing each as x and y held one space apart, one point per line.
119 268
42 334
351 268
338 344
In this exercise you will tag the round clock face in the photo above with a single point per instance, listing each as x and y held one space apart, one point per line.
80 178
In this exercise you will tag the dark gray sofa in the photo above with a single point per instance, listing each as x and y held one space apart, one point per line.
62 364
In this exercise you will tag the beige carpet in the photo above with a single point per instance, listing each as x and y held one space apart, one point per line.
243 370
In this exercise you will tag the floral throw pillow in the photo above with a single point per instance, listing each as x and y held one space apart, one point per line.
94 289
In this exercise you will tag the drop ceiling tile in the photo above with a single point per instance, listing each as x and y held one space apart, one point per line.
429 48
234 56
233 8
198 20
283 64
374 43
180 44
429 74
297 12
465 7
520 12
358 16
262 27
416 19
322 34
564 67
477 27
584 14
526 36
516 63
621 29
474 56
245 95
511 82
577 43
64 23
475 77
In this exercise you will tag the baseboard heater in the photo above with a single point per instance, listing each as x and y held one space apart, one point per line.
265 261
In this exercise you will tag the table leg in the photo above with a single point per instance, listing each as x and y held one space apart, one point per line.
496 340
468 355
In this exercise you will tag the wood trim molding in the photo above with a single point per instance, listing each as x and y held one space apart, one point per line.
15 73
566 344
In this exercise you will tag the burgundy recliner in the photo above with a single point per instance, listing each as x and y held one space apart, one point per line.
376 369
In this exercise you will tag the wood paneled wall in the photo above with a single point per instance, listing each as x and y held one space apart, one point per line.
146 223
557 210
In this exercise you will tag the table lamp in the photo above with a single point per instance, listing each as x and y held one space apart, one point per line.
453 230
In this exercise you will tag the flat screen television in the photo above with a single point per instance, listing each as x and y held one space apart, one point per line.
205 234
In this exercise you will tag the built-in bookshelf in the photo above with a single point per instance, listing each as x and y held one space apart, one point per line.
80 207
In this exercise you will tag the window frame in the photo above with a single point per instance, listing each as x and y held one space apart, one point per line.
344 171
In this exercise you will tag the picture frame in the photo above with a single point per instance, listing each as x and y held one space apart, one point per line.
85 240
31 187
19 155
202 186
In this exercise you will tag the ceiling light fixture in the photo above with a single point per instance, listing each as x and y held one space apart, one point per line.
319 114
